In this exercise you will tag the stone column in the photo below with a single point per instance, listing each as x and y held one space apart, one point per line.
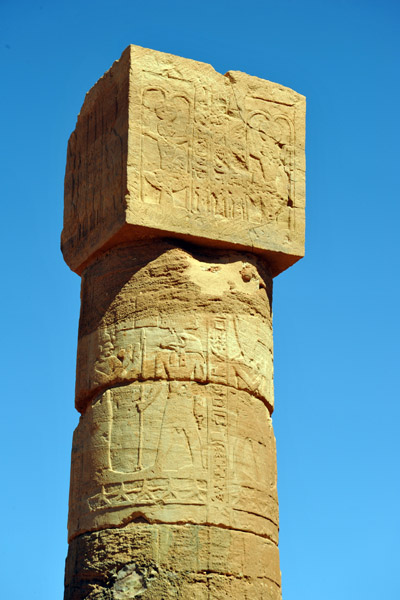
184 197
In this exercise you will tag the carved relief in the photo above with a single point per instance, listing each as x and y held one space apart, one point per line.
130 451
166 141
169 145
148 446
203 153
218 435
94 192
180 356
270 145
214 348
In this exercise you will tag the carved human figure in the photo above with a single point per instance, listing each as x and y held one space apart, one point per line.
180 445
112 365
283 134
128 428
229 362
176 176
169 131
263 149
181 357
109 363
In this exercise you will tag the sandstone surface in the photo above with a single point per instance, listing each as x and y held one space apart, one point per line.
167 146
184 196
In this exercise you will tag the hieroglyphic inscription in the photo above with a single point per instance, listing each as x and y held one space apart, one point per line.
166 140
205 154
270 142
215 348
218 436
157 444
95 161
163 144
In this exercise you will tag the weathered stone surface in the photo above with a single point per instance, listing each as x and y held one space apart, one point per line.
160 312
167 146
188 437
184 196
175 562
173 452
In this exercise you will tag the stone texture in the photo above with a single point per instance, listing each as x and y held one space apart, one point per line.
184 196
166 146
160 312
182 431
167 561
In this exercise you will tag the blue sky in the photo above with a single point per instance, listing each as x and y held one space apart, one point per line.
336 314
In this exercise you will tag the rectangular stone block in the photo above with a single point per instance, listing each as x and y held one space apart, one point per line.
165 146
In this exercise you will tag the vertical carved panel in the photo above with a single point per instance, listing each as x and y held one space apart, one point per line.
166 141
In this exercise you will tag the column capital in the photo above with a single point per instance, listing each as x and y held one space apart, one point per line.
167 147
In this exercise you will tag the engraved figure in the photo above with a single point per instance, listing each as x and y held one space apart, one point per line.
245 377
131 358
228 362
180 445
168 129
124 364
242 374
109 364
271 157
262 148
251 463
181 357
128 428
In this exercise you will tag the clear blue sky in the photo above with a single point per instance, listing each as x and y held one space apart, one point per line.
336 313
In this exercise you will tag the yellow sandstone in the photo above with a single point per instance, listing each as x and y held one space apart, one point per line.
166 146
184 197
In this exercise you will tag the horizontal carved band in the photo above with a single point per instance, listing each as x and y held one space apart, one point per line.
172 452
208 348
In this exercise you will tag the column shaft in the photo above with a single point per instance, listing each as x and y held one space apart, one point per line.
173 481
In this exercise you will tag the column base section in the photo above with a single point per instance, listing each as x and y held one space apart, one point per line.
171 562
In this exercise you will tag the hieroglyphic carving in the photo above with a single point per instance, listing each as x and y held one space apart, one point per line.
166 140
180 436
95 162
252 453
233 351
181 356
270 143
218 439
177 178
228 363
128 428
176 444
203 153
169 145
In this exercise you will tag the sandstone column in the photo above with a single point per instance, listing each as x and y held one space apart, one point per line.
184 197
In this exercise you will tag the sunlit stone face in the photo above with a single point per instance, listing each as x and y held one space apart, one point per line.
166 146
184 196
